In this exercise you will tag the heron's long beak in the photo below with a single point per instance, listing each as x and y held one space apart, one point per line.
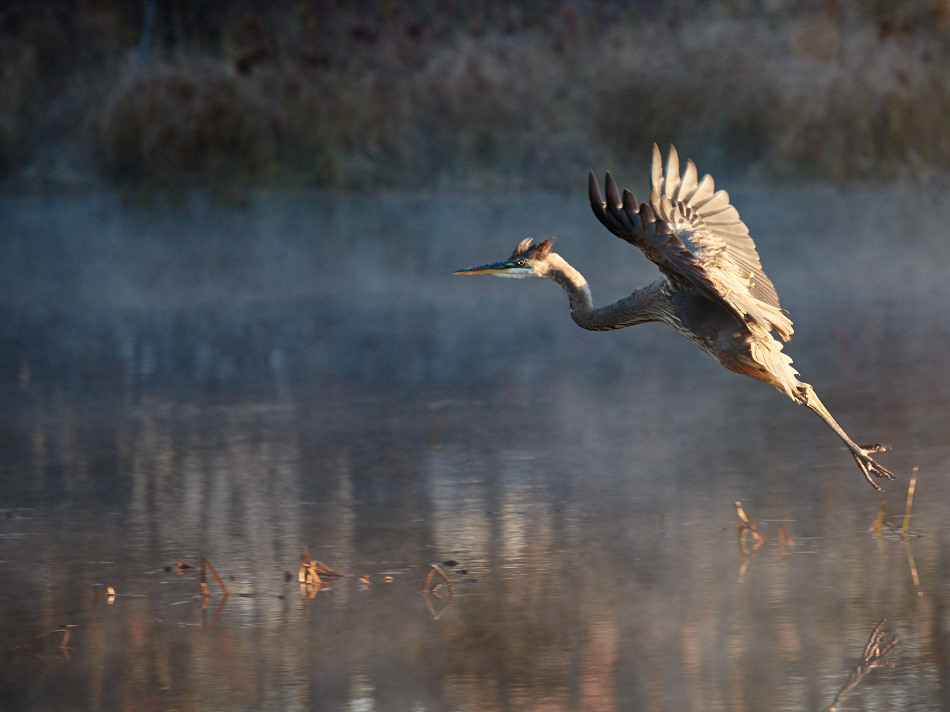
494 268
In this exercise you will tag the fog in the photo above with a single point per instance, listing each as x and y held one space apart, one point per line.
188 378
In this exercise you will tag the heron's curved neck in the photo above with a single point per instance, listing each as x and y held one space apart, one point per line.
650 303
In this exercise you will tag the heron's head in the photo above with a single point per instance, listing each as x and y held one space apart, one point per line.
526 261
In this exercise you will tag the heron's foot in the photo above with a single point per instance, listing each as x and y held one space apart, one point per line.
870 467
876 447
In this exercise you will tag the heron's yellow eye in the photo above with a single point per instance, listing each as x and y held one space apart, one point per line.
521 263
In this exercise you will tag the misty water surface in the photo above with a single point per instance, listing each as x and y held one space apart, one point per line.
188 380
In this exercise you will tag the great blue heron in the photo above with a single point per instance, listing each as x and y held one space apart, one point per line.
713 290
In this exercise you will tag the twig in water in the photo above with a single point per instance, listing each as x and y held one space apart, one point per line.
312 572
746 524
429 590
30 647
903 531
433 570
785 540
204 586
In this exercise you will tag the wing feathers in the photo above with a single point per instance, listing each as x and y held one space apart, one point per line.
704 191
688 186
672 173
599 207
717 201
629 201
656 179
613 192
696 237
730 262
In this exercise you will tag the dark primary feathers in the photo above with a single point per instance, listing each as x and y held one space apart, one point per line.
695 236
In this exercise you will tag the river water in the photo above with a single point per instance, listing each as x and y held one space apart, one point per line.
185 381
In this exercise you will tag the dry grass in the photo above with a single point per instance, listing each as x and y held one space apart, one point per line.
529 97
167 123
18 79
801 97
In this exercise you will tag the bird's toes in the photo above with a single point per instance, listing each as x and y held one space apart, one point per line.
876 447
869 467
881 472
878 471
867 476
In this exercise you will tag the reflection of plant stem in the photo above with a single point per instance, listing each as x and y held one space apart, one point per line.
871 658
903 532
910 499
217 613
913 568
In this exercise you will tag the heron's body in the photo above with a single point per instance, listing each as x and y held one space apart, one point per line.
713 290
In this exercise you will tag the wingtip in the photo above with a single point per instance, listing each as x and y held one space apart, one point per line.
672 169
593 191
613 192
629 201
656 171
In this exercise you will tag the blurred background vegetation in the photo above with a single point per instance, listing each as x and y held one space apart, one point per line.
411 94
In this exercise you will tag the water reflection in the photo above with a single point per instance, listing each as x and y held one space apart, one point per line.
564 591
873 657
438 591
526 517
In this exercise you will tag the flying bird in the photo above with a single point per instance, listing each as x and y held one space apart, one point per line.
713 290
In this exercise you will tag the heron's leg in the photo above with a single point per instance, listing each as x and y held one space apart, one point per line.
862 455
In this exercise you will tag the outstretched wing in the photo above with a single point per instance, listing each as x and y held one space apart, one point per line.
695 236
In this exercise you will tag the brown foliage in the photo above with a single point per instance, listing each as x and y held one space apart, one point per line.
333 96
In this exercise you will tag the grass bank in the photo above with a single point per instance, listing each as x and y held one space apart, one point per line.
410 95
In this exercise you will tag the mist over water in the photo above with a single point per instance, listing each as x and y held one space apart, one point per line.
187 380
